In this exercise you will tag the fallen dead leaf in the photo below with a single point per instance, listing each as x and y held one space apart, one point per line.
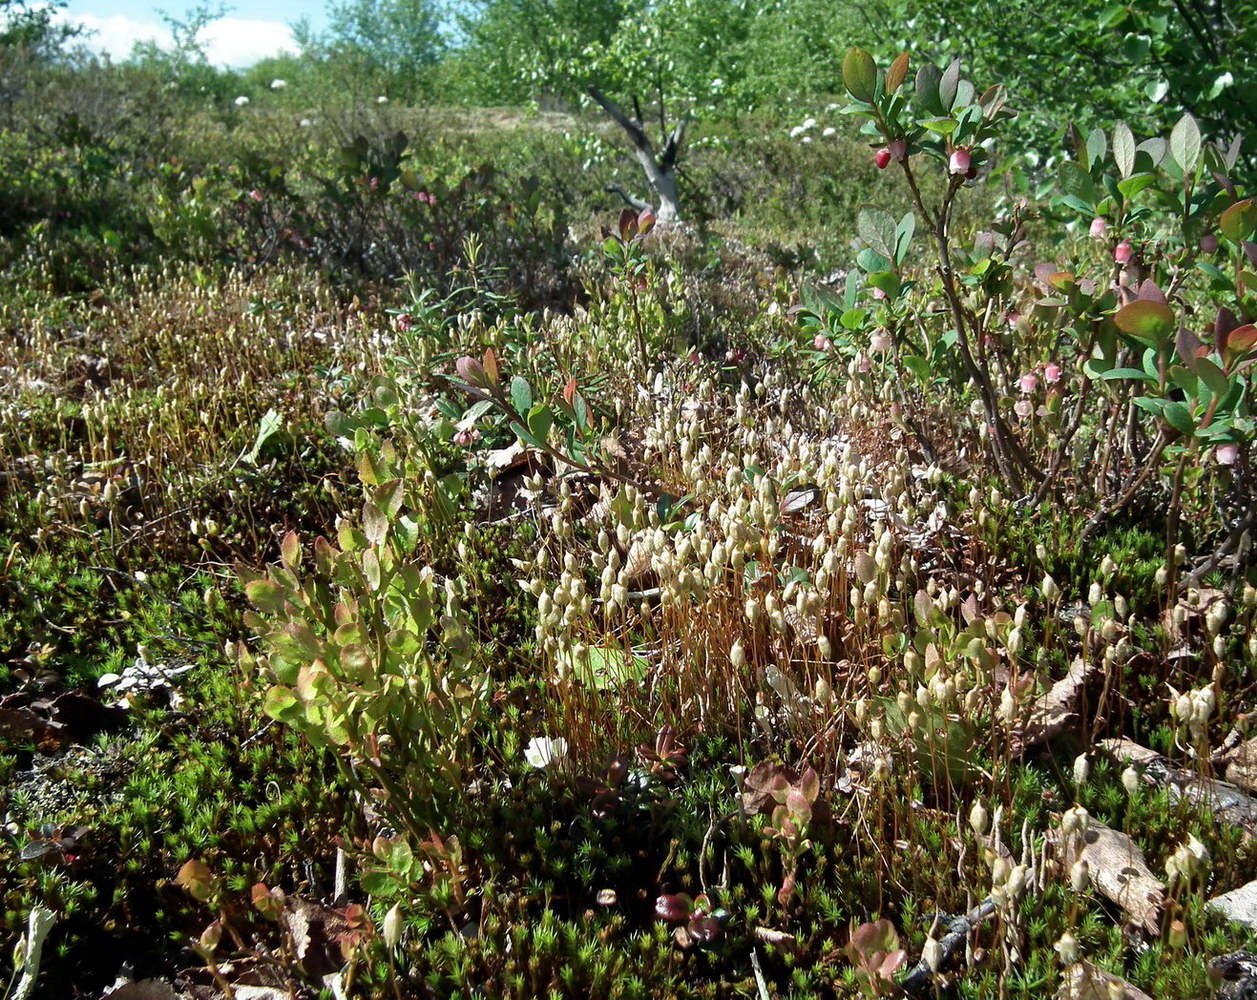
1057 710
1227 801
144 989
1086 981
1120 872
1242 769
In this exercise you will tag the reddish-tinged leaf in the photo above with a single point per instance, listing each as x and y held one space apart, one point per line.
645 221
266 596
627 224
674 907
290 550
1149 291
1189 346
797 803
810 784
897 73
1150 323
1062 281
1239 222
879 935
569 390
1239 342
891 962
491 366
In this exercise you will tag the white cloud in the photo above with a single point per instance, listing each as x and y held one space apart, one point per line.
232 41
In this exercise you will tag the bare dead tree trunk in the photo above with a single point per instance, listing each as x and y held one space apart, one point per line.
660 170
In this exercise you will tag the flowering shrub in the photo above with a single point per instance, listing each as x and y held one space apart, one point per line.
1111 337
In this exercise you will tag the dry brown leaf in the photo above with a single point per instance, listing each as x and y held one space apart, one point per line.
1054 712
780 940
1227 802
1085 981
1119 871
144 989
1242 769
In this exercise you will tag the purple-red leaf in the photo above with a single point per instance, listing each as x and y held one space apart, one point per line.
1150 292
674 907
1189 346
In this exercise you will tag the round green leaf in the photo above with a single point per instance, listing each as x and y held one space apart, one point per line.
1239 222
1150 323
859 74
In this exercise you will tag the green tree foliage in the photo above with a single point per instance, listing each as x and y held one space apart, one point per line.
34 27
526 50
182 64
792 49
1064 60
393 43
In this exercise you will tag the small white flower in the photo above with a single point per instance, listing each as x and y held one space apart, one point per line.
381 99
544 752
278 84
828 131
808 123
305 123
241 101
796 131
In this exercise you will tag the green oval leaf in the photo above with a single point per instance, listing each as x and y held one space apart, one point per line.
1123 149
521 394
925 97
266 596
876 227
859 74
1185 144
1239 222
1178 416
1150 323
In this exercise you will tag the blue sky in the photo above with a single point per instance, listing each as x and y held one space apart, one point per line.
252 29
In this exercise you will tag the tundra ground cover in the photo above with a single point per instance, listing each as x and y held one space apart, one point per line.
644 613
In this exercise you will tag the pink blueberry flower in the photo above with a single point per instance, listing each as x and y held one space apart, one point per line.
1028 382
1123 252
1023 408
1226 454
822 343
1052 372
960 160
882 158
880 342
1098 227
899 150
